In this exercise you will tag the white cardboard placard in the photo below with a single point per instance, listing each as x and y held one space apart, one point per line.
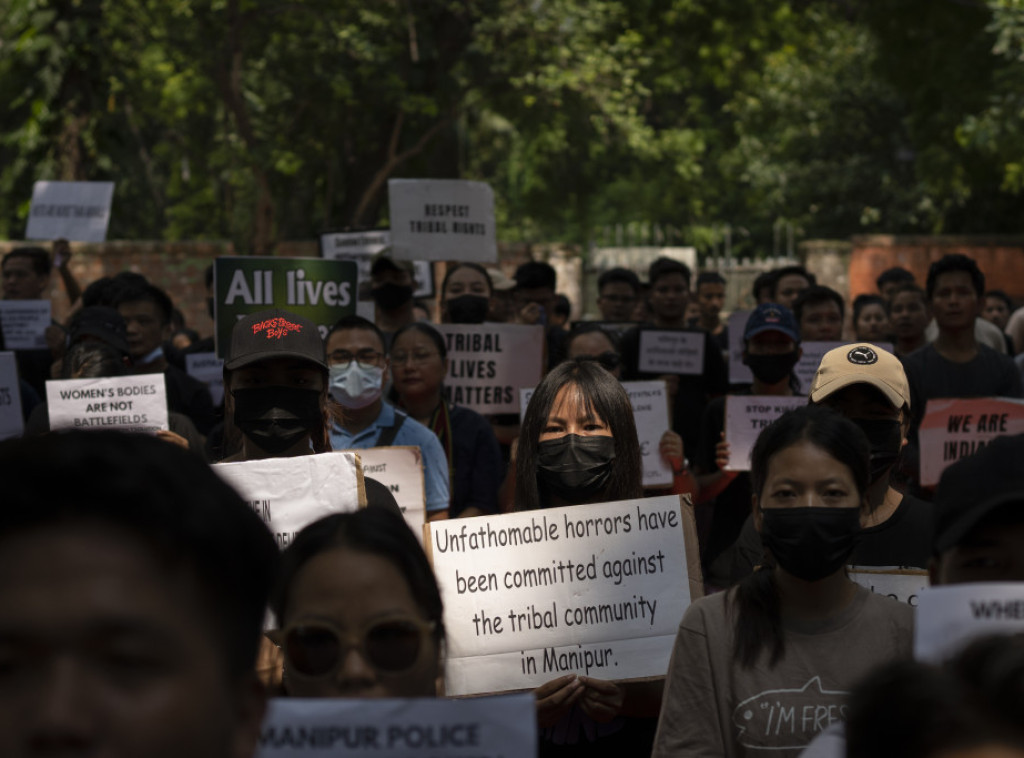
671 351
739 372
289 493
951 616
208 369
650 412
76 211
400 469
486 727
24 323
954 428
129 403
11 422
746 416
442 220
488 363
903 585
596 590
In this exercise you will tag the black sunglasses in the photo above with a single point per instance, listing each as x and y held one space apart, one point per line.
316 649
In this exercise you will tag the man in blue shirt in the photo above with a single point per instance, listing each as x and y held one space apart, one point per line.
355 354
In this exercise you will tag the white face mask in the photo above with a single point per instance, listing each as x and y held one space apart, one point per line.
354 386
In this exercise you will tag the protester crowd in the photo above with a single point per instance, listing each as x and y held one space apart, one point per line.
134 583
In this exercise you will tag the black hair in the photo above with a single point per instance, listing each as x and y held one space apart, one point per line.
665 266
427 329
592 328
952 263
562 306
134 293
617 275
475 267
791 271
814 295
39 258
605 398
100 292
756 601
912 709
1000 295
764 280
208 276
90 359
357 322
167 498
894 275
907 287
535 275
863 301
377 531
710 277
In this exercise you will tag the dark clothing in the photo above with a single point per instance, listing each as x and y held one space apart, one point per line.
29 399
695 390
732 505
988 374
558 340
34 368
479 468
577 735
904 540
190 397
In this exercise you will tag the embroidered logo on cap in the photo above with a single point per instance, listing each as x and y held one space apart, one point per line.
276 328
862 356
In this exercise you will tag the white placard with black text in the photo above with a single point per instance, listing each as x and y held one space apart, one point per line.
289 493
951 616
487 727
400 469
671 351
746 416
596 590
76 211
24 323
128 403
11 421
442 220
208 369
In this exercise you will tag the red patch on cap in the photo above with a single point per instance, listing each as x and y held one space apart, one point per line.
276 328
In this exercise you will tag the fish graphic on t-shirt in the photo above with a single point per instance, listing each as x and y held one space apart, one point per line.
787 718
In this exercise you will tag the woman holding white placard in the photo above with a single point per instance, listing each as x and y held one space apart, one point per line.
579 445
767 665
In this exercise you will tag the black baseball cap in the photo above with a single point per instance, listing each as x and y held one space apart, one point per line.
101 323
973 488
274 334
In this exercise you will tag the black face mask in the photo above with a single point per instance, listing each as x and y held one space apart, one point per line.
810 543
886 440
391 296
275 418
468 309
575 467
771 369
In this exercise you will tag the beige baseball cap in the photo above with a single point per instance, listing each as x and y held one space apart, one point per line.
861 363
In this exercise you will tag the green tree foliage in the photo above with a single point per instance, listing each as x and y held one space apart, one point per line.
258 120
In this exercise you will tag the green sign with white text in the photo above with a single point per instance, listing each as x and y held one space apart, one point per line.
321 290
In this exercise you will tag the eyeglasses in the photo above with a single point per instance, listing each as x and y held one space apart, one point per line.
417 357
608 359
316 649
365 358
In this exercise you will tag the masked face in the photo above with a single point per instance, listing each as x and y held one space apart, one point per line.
886 439
356 386
810 543
574 467
276 418
467 309
391 296
809 511
772 369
